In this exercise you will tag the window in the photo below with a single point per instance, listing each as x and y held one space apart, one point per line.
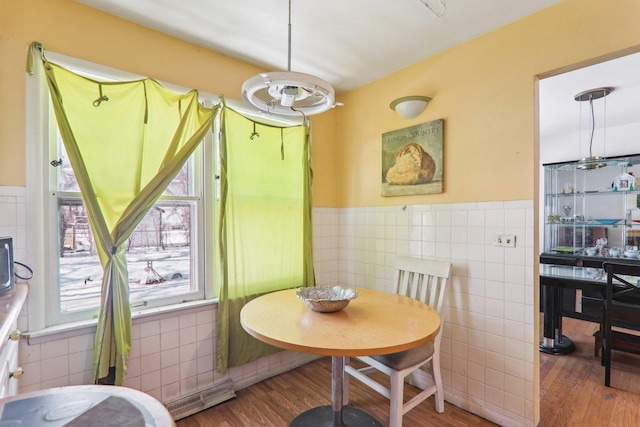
161 252
166 254
170 255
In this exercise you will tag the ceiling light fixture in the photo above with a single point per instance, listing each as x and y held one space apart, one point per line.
409 107
592 162
289 93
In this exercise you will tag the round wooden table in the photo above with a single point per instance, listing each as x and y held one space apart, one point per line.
374 323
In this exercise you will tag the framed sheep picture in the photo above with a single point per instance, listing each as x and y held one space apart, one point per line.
412 160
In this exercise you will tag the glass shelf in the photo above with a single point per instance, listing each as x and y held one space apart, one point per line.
575 199
593 193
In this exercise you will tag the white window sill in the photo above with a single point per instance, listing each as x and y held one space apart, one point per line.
68 330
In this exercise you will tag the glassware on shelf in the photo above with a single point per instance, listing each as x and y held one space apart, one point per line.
567 189
624 182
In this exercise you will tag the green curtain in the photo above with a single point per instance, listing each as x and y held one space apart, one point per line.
126 141
265 239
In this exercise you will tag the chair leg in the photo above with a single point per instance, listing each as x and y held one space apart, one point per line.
599 350
397 389
606 349
437 378
607 368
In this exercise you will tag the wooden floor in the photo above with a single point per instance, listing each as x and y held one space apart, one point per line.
278 400
572 391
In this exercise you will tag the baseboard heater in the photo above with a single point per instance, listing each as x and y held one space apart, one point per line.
200 400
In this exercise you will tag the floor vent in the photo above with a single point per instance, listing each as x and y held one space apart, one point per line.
200 400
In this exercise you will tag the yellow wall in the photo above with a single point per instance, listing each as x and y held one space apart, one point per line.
68 27
485 91
324 151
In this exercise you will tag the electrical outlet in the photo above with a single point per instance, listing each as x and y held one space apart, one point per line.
508 240
504 240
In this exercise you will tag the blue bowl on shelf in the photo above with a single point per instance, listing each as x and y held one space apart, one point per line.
606 221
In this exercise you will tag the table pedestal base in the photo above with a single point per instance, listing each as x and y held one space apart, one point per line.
561 345
553 342
322 416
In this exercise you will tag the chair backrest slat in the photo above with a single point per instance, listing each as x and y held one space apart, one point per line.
422 279
402 278
414 285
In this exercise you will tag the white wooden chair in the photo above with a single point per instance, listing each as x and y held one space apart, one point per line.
424 280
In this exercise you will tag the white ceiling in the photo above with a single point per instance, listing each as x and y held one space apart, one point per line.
345 42
622 105
565 123
352 42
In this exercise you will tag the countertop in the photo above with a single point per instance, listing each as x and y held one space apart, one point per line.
10 305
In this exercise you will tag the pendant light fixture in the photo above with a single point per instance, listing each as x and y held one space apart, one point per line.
592 162
289 93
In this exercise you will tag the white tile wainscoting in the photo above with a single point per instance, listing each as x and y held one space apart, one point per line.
488 339
172 355
13 219
488 342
